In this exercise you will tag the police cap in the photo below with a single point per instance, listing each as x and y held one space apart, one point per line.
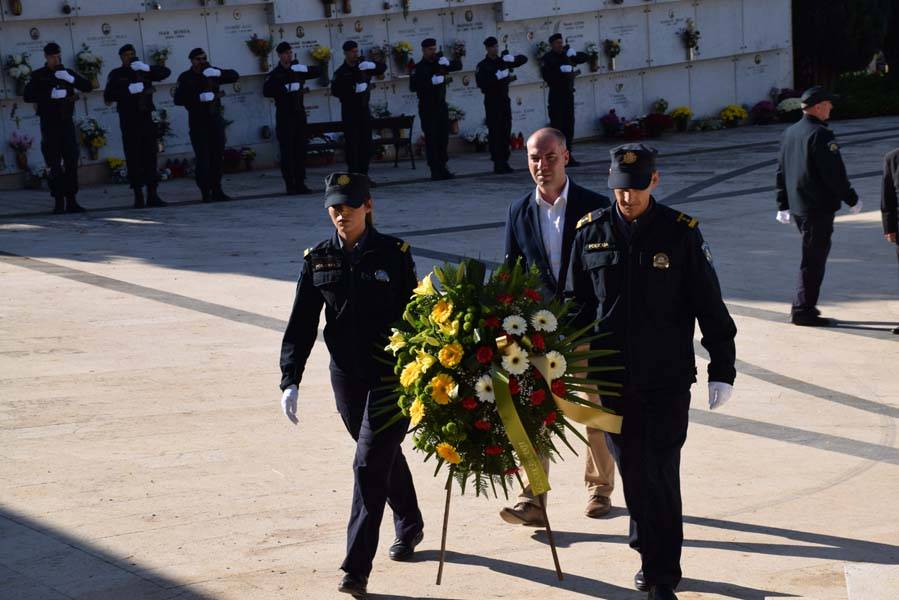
632 167
282 48
51 49
349 45
491 41
554 37
195 53
346 188
126 48
428 42
815 95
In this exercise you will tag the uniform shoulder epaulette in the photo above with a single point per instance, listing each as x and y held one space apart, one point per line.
687 220
307 252
590 217
403 246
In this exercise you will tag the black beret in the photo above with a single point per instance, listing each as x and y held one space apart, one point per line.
632 167
491 41
351 189
196 52
282 47
126 48
815 95
349 45
554 37
428 42
51 49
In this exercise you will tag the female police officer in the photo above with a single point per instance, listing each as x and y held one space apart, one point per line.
364 279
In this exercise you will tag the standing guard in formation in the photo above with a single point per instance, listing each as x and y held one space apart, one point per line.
429 80
53 88
559 71
199 91
493 76
131 88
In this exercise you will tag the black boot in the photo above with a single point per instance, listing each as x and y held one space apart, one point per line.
153 198
72 205
59 205
661 592
219 195
207 196
139 198
355 585
302 189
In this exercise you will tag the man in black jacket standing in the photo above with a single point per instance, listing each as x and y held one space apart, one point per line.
493 77
429 80
131 88
811 185
284 84
352 86
889 201
559 71
53 88
199 91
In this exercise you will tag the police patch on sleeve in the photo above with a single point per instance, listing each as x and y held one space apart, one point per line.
833 147
707 251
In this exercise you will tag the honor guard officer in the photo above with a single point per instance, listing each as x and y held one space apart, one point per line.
559 71
811 184
199 91
285 85
645 273
352 86
429 80
493 76
889 201
131 88
364 279
54 89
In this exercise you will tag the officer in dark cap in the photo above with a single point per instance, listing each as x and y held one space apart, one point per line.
493 76
363 279
811 185
199 91
429 79
131 88
559 70
284 84
352 86
643 273
54 89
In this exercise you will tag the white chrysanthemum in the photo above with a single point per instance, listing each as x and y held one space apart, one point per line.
543 320
516 360
484 388
515 325
14 72
557 365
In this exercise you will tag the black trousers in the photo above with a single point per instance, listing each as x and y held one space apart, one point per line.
381 475
647 452
435 125
498 113
291 132
357 138
208 142
561 114
141 147
816 233
59 145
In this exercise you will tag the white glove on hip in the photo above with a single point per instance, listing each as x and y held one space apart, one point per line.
444 61
136 88
509 58
783 216
571 53
361 87
719 393
207 97
140 66
212 72
64 75
857 208
298 68
437 79
292 87
59 93
566 68
289 403
366 65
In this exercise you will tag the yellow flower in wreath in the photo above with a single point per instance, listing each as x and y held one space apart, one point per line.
449 329
425 287
442 311
416 412
448 453
410 374
443 388
450 355
425 361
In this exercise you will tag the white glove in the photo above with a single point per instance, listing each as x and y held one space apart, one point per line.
361 87
500 75
207 97
289 403
298 68
443 61
136 88
366 65
437 79
566 68
140 66
59 93
783 216
64 75
292 87
719 393
857 208
211 72
571 53
509 58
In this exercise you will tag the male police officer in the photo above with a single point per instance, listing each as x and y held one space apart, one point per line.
198 91
643 270
131 88
811 185
428 80
558 71
352 86
54 89
889 201
493 77
285 85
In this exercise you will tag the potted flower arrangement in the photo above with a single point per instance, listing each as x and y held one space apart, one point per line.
379 110
457 50
690 36
15 8
732 115
261 49
763 113
478 137
789 110
656 123
592 52
248 155
610 123
21 143
322 55
633 130
18 69
681 116
540 50
118 169
93 136
612 49
159 56
89 65
402 54
455 114
35 176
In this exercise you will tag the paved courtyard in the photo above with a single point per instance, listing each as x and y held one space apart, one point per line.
143 453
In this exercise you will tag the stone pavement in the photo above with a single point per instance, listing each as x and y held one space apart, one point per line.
144 454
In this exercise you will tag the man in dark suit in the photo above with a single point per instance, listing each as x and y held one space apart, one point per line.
540 231
889 201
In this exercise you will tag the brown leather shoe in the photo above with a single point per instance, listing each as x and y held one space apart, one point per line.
598 506
523 513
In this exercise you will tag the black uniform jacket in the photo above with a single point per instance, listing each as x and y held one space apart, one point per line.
485 76
288 104
889 198
129 104
524 239
361 299
811 176
343 87
187 94
40 86
553 75
648 294
420 81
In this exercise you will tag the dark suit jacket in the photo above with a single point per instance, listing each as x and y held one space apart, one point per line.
889 197
524 239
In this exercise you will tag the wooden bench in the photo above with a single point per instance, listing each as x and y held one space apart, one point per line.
395 124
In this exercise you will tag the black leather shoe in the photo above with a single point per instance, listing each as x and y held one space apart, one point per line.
401 550
72 205
811 320
139 198
640 582
220 196
353 585
661 592
896 330
302 189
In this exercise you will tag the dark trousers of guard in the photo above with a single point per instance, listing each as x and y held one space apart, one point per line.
561 115
292 141
647 452
499 127
381 474
435 125
59 145
209 148
141 148
357 138
816 233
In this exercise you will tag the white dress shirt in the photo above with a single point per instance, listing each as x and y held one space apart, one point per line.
552 225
